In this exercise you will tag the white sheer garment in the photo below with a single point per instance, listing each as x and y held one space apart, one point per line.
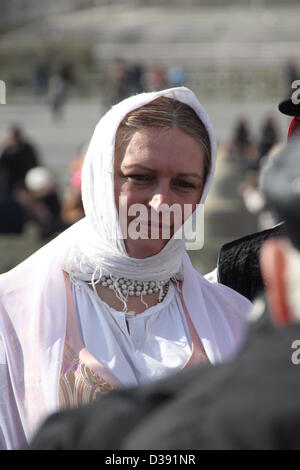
158 341
33 324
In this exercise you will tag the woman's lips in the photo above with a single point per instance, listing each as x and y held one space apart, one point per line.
147 229
161 230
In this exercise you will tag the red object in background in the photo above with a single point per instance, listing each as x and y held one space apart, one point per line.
294 127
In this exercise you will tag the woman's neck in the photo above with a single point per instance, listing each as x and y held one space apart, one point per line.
134 304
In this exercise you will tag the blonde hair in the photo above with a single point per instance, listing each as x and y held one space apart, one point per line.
166 113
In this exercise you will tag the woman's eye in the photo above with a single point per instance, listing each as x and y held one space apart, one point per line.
184 184
140 178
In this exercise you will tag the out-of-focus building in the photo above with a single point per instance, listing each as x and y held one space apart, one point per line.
14 12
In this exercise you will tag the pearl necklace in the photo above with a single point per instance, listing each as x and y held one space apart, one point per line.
129 287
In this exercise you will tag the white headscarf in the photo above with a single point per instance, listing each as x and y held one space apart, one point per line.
99 247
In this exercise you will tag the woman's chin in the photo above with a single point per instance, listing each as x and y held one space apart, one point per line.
144 248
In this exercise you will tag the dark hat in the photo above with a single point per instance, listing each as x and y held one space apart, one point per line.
289 108
281 187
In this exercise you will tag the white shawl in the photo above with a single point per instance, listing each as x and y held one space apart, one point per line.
101 246
33 298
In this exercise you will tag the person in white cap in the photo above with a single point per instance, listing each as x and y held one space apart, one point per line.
43 204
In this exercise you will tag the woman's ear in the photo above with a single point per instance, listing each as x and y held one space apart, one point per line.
273 261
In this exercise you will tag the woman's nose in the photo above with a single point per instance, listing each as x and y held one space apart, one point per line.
159 198
156 201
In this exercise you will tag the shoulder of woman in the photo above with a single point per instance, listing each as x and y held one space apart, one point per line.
35 270
230 300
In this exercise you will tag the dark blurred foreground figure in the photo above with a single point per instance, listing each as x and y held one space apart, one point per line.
17 157
252 402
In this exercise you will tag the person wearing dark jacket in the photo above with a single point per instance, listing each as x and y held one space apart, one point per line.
17 157
250 402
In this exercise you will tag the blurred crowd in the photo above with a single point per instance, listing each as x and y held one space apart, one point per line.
28 189
53 82
124 78
29 192
250 154
56 81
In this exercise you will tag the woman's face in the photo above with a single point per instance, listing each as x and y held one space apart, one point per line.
159 167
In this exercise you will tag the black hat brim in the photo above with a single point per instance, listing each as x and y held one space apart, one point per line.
289 108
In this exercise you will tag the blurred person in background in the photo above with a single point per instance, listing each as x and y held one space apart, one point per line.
176 75
102 310
123 79
42 201
242 147
57 94
291 73
116 82
17 157
41 77
66 71
13 215
72 207
251 402
268 138
156 77
252 195
60 84
134 78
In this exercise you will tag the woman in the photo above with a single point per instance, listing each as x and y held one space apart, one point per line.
94 310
